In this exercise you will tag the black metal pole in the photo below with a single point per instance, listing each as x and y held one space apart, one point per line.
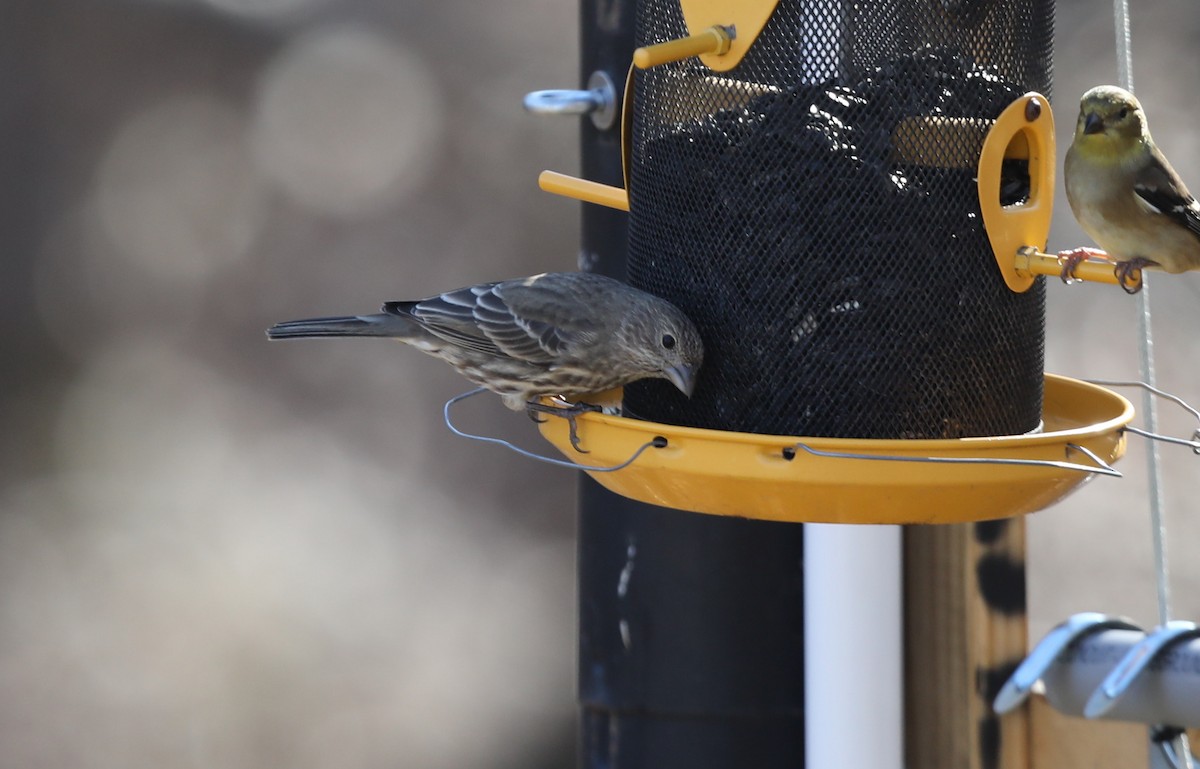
691 650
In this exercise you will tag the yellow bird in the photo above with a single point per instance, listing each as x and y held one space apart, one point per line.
1125 194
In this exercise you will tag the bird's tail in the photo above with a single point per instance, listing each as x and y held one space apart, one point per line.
348 325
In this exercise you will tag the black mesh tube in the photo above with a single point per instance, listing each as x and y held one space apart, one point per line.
844 284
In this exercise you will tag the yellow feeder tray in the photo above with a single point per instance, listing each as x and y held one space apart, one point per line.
883 482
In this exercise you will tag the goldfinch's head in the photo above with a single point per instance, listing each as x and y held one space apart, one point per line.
1110 116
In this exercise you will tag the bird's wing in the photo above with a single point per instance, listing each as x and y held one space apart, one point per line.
1160 189
451 316
538 320
535 323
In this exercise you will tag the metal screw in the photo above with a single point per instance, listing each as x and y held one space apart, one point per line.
1033 109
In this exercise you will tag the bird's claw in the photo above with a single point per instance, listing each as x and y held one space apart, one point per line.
1070 261
1129 274
568 412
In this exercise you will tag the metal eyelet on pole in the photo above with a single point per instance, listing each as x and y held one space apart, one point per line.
599 100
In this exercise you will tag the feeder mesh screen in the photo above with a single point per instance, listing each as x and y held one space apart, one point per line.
814 210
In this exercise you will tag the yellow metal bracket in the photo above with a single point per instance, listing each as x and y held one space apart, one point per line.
720 33
714 41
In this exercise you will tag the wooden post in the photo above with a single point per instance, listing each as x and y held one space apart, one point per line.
1066 742
965 632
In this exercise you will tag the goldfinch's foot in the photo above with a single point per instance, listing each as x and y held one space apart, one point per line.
1070 261
1129 274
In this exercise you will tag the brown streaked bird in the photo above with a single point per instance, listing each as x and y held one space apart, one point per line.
1125 194
560 334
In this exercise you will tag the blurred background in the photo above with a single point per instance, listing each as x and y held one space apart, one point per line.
219 552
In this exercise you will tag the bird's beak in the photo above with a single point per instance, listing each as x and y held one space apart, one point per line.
682 376
1093 123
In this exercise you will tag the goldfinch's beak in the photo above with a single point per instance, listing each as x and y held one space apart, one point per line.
682 376
1093 123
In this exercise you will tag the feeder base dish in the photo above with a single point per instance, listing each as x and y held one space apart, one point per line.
772 477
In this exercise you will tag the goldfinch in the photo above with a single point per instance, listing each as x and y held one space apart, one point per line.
1125 194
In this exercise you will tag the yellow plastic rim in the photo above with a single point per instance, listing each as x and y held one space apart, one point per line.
748 475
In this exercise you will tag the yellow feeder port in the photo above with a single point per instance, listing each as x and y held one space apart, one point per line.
720 33
846 480
1018 232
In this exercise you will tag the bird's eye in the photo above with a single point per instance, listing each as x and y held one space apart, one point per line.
1124 113
668 341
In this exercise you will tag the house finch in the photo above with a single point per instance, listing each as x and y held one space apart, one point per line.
1125 194
563 334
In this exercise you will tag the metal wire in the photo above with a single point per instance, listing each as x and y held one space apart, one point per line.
1103 467
1193 444
1152 389
1146 351
657 442
1182 757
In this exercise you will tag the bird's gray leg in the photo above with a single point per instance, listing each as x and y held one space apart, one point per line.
1132 269
532 408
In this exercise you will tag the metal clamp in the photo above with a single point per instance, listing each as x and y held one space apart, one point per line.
1064 635
1100 666
599 100
1136 660
658 442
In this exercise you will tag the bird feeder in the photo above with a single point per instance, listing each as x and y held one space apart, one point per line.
822 187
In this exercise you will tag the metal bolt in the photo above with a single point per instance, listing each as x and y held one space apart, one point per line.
1033 109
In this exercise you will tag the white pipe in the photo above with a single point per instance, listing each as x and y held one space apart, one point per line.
853 645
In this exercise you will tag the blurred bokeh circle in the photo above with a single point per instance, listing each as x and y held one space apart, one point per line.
175 191
346 121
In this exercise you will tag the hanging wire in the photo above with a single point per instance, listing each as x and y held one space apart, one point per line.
1146 353
657 442
1180 755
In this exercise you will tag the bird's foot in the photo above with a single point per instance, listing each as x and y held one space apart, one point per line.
569 412
1070 261
1129 274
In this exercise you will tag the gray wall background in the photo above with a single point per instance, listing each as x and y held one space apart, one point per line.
218 552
